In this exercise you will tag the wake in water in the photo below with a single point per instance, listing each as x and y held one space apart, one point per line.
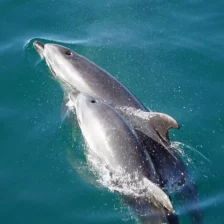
203 204
59 41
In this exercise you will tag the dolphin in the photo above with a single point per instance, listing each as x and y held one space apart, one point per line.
113 142
76 73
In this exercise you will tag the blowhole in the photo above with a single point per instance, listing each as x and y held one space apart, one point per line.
93 101
68 53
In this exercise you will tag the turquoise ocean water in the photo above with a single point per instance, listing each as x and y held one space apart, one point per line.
168 53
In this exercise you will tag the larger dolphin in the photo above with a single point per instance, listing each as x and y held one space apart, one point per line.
112 141
76 73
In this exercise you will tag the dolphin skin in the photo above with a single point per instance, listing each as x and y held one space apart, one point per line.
75 73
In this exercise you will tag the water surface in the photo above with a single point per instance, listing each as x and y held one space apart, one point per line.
168 53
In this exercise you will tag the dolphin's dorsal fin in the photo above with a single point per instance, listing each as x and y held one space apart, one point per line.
162 123
152 124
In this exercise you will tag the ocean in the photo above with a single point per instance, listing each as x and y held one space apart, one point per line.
168 53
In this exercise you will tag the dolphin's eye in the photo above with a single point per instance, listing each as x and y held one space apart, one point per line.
68 52
93 101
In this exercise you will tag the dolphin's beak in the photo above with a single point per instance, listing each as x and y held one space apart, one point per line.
39 47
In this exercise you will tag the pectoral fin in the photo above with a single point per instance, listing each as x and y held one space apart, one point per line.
158 197
65 108
68 111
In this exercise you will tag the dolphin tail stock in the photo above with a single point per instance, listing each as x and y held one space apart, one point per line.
189 195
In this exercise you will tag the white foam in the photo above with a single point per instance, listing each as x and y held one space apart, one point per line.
135 112
117 180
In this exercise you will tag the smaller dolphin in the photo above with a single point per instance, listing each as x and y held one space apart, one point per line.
111 139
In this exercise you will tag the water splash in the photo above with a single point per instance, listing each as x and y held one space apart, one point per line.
181 147
134 185
199 166
96 172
